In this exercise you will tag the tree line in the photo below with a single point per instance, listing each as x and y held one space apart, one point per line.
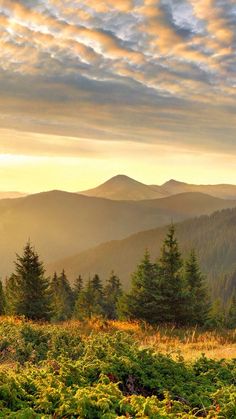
170 290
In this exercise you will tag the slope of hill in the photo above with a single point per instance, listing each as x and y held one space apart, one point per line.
213 237
220 191
60 224
122 187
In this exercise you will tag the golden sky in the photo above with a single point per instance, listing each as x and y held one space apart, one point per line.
90 89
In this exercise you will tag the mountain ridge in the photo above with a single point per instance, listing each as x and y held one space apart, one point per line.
122 187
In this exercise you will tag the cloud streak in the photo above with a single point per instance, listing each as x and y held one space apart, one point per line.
126 70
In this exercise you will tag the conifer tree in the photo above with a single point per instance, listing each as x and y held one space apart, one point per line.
143 300
2 299
90 301
78 286
84 305
112 295
30 296
11 295
197 303
62 297
172 285
231 318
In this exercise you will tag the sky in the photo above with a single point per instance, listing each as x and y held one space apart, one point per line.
90 89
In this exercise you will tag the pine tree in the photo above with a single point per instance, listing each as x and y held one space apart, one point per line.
231 318
172 285
78 286
11 295
30 296
98 295
197 303
90 301
84 305
62 297
2 300
112 295
143 301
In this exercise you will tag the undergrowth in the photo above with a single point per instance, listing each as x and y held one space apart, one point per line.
96 370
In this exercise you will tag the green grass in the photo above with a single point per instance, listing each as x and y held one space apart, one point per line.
107 370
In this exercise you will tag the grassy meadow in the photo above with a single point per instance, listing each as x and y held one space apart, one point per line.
110 369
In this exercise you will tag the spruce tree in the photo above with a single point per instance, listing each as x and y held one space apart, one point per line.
172 284
231 318
30 296
197 303
2 300
143 301
62 297
90 301
84 305
11 295
78 286
112 295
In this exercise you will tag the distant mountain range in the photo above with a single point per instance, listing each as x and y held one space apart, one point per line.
213 237
61 224
122 187
11 195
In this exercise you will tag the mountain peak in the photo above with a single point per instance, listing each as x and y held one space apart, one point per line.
173 182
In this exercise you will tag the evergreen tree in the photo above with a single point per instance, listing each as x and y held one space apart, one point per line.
78 286
90 301
98 295
62 297
217 316
11 295
143 300
197 303
112 294
84 307
172 284
231 318
2 299
30 296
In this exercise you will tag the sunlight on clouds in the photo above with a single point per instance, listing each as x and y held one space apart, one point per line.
150 163
86 84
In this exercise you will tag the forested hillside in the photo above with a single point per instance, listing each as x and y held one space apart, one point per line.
61 224
213 237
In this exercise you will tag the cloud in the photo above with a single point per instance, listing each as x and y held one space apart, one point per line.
137 70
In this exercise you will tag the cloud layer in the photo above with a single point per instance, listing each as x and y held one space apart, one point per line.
161 71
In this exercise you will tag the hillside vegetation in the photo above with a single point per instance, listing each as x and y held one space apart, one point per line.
213 237
98 370
61 224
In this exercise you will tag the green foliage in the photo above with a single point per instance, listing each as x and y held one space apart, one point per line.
2 300
106 376
61 297
231 317
90 301
165 292
197 301
112 295
28 289
143 301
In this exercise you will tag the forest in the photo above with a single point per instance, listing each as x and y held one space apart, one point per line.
170 291
91 350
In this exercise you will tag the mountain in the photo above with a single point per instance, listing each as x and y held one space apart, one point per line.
60 224
220 191
122 187
11 195
213 237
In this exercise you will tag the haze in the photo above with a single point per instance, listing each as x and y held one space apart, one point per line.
91 89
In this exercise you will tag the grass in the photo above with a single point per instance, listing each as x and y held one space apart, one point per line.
111 369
